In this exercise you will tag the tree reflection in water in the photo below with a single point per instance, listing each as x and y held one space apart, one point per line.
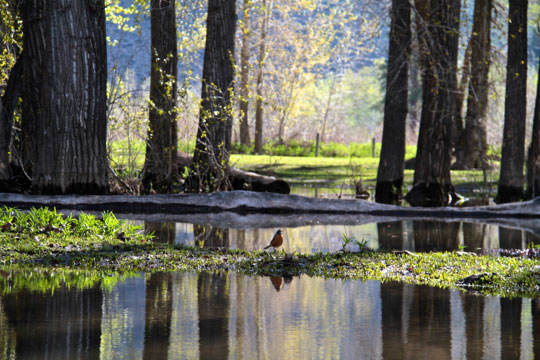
164 232
211 236
413 235
227 315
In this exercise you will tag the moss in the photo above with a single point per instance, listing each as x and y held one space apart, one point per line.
514 276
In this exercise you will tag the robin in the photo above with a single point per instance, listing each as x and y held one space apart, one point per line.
277 240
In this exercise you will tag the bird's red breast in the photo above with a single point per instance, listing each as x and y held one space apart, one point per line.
277 241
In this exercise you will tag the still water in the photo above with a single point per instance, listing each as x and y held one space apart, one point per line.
232 316
413 235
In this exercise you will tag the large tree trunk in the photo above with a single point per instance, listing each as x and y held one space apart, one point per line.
533 161
472 147
8 102
259 109
244 75
439 37
65 82
211 157
160 168
392 160
515 106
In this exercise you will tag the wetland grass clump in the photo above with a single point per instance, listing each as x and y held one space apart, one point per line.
42 225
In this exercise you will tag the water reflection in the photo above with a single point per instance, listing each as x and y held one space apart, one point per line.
64 324
413 235
227 315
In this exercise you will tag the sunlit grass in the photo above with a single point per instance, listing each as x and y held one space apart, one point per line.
128 159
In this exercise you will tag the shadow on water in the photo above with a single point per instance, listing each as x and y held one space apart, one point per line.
233 316
412 235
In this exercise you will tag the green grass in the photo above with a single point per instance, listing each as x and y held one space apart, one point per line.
336 170
327 149
347 170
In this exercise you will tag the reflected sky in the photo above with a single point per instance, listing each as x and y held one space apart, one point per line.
412 235
233 316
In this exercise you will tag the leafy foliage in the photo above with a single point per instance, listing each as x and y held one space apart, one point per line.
10 38
58 227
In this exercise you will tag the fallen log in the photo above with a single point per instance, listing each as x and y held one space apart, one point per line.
246 209
247 202
245 180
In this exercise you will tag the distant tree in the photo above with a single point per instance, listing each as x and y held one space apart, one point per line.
471 149
211 157
259 110
392 159
438 33
533 159
161 168
245 54
513 147
64 94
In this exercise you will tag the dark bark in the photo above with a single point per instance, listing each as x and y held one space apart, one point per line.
515 106
533 160
439 40
211 157
8 103
244 76
392 160
259 109
160 168
64 120
471 151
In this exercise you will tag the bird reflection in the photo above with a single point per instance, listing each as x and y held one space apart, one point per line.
277 281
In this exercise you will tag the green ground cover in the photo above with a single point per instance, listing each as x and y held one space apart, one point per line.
349 170
295 162
46 241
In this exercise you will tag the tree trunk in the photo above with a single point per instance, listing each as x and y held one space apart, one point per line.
533 161
392 160
211 157
515 106
460 95
160 168
328 107
8 102
259 109
65 91
472 147
439 37
244 76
